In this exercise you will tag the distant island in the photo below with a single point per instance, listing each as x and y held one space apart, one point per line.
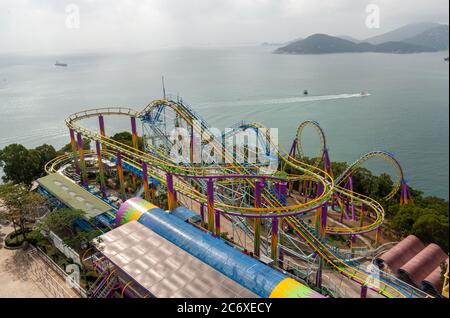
413 38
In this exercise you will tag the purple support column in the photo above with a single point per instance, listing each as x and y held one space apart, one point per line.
191 145
353 242
100 168
327 162
259 185
293 150
75 151
323 219
350 187
82 162
101 123
171 198
120 175
211 212
217 220
319 273
363 291
145 180
318 224
274 250
361 221
280 251
405 196
202 213
283 191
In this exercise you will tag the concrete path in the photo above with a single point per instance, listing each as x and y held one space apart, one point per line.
14 283
27 276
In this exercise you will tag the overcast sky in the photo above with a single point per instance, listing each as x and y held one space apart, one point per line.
44 26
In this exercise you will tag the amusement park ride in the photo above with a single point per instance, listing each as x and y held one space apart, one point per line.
255 199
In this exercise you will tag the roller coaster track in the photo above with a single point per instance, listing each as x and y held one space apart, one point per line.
356 197
206 172
375 154
321 134
161 164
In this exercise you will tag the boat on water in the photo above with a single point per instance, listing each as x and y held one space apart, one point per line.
446 59
305 92
364 94
60 64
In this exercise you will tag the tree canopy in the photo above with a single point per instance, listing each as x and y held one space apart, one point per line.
22 165
127 139
62 222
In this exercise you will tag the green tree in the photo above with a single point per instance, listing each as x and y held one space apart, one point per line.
46 153
68 147
382 186
363 181
404 219
21 207
432 228
62 223
126 138
22 165
19 164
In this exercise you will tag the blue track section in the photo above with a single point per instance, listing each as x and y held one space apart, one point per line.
243 269
134 170
183 213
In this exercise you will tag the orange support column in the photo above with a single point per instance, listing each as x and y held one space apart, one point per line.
84 178
145 181
171 195
120 175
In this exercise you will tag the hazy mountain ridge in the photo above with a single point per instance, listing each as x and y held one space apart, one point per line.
434 38
423 37
326 44
402 33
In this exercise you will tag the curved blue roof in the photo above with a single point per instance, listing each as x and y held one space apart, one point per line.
245 270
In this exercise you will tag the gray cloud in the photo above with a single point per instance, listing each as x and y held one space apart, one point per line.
40 25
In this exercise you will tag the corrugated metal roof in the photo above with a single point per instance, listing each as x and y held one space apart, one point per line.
424 263
434 280
73 195
163 268
401 253
416 263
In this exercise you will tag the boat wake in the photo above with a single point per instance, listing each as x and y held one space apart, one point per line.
289 100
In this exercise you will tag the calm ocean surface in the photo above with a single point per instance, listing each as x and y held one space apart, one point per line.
407 113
